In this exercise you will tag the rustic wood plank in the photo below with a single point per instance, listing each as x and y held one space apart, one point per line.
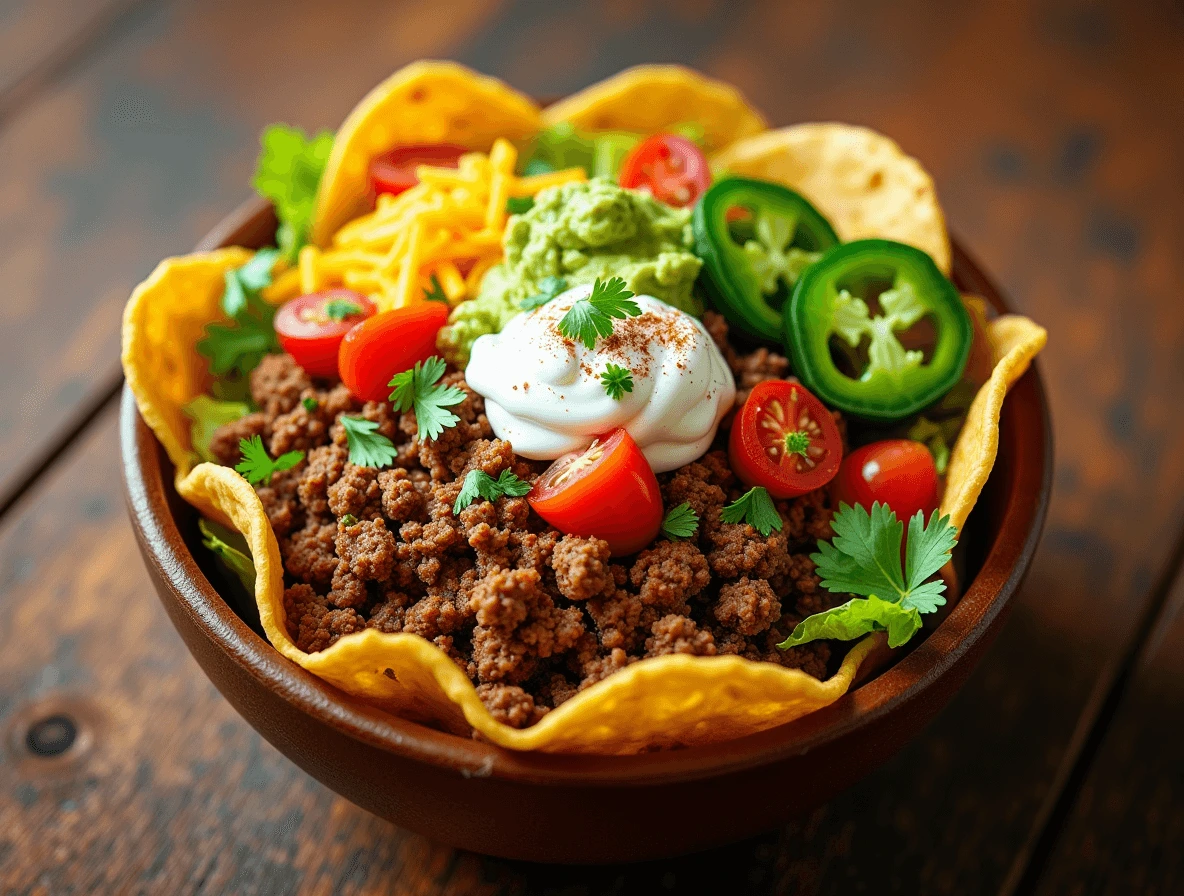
1056 159
1125 831
133 155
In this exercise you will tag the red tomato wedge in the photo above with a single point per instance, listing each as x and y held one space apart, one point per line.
608 491
896 472
394 171
672 168
785 440
388 343
310 327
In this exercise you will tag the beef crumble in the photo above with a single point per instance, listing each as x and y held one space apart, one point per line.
531 615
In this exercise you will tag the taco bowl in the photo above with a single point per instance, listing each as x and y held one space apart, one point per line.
540 806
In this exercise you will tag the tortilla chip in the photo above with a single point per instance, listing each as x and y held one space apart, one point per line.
861 180
652 98
1015 341
661 701
425 102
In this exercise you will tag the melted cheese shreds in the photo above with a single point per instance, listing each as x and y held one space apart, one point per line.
449 226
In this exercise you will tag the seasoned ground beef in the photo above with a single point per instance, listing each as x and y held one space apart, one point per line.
531 615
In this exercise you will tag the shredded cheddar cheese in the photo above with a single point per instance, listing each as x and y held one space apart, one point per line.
449 226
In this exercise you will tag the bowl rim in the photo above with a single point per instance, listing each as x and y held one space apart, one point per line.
1025 444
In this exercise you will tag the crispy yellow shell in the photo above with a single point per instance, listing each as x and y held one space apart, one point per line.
424 102
861 180
651 98
659 701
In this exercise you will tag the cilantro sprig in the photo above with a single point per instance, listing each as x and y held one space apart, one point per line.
257 465
680 522
549 288
420 389
592 318
340 309
237 347
864 559
754 507
617 381
367 446
288 173
479 484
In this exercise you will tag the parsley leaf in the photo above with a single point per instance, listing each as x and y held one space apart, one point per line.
617 381
864 559
549 288
367 447
592 318
680 522
257 465
288 172
479 484
420 390
231 548
207 414
436 293
754 507
340 309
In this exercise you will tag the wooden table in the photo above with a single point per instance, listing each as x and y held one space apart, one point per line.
1055 131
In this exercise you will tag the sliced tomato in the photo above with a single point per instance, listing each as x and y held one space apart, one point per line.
785 440
607 491
388 343
896 472
310 327
672 168
394 171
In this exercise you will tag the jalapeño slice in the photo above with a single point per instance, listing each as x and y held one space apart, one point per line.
755 238
860 298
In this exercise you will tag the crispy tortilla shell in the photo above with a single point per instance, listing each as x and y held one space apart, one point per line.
862 181
424 102
652 98
659 701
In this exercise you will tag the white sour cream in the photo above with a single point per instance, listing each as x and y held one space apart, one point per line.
544 395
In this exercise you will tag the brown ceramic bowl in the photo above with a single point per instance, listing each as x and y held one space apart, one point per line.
590 808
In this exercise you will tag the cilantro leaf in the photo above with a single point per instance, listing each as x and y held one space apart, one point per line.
256 273
340 309
680 522
257 465
288 173
237 347
367 447
754 507
479 484
617 381
436 293
231 548
207 414
858 617
592 318
420 390
864 559
549 288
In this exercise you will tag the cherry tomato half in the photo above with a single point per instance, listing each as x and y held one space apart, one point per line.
896 472
310 327
388 343
785 440
672 168
394 171
608 491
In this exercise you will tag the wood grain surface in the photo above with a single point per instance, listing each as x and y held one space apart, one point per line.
1055 132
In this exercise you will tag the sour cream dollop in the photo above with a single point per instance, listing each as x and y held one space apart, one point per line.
543 392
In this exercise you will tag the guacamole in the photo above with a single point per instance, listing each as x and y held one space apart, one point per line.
580 232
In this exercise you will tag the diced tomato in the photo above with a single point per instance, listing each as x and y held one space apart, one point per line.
394 171
672 168
310 327
896 472
388 343
607 491
785 440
